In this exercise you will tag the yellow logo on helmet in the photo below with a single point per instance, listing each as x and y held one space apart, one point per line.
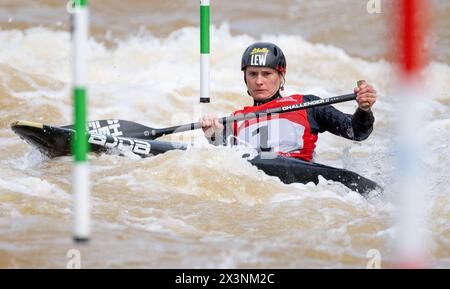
259 50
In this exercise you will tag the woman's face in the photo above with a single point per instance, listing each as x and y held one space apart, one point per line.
262 82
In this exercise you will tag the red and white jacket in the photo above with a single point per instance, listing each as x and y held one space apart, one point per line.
294 134
287 134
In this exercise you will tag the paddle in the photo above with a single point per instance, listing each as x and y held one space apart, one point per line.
116 127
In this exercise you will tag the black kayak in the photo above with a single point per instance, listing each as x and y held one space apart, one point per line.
55 141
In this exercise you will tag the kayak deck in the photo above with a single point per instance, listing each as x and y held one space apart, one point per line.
56 141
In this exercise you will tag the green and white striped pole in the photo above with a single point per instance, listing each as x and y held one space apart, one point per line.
204 51
80 23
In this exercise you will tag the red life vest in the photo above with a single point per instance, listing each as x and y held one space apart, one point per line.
288 134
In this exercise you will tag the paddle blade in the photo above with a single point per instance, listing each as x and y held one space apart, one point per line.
117 127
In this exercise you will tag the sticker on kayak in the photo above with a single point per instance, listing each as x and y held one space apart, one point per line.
246 152
111 128
121 143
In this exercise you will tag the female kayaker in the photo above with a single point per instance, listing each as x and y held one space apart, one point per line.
291 134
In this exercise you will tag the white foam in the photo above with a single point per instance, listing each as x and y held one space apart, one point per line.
155 81
35 187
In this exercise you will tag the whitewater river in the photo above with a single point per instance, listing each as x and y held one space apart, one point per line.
207 207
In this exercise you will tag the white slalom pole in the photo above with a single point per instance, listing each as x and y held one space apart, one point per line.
80 187
412 244
204 50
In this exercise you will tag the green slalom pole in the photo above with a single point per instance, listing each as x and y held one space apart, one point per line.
80 148
204 50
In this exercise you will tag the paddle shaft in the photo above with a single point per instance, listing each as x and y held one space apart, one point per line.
288 108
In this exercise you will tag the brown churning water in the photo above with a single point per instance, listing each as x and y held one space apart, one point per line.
206 208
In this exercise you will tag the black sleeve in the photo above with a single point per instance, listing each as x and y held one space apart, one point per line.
327 118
